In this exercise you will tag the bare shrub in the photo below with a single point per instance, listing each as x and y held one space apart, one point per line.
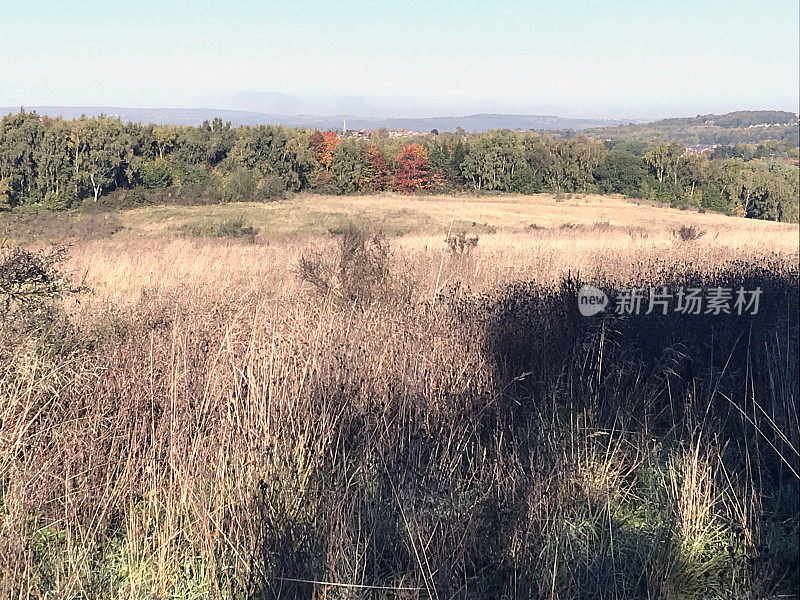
358 270
688 233
461 243
638 233
31 283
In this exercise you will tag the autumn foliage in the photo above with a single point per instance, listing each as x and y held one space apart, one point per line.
381 177
323 145
411 174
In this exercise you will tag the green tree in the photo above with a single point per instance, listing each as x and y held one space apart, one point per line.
621 172
663 159
20 137
491 161
350 168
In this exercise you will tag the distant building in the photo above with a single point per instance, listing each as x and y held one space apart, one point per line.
380 133
699 149
396 133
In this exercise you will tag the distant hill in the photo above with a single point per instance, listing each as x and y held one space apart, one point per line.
745 126
727 129
741 118
195 116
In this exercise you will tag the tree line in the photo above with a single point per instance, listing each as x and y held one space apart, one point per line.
57 164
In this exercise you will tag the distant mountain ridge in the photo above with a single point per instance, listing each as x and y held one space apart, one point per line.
195 116
702 128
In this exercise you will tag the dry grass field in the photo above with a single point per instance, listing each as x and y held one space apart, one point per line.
395 215
402 214
316 411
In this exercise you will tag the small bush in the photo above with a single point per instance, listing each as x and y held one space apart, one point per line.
638 233
688 234
29 279
30 285
137 196
57 201
246 185
357 272
229 228
461 243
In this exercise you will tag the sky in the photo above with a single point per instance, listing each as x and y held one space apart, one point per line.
600 59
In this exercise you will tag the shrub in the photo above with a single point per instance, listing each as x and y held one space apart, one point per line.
29 279
270 187
461 243
56 201
137 196
5 193
229 228
357 272
638 233
247 185
30 285
688 234
240 185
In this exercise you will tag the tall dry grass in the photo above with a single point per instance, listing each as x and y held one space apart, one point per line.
210 426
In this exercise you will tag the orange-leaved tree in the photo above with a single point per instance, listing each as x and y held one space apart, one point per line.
411 173
323 145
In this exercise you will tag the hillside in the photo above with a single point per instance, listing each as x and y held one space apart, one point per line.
730 128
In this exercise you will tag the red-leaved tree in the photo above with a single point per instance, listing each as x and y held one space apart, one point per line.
380 177
411 173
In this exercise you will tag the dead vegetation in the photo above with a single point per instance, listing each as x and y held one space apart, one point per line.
234 420
689 233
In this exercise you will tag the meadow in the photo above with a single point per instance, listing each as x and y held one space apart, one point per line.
383 396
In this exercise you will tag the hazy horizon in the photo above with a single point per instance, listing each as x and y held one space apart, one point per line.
624 60
337 106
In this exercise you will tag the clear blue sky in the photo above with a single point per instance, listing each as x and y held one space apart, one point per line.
629 58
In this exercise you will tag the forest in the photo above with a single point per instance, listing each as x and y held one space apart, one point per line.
55 164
